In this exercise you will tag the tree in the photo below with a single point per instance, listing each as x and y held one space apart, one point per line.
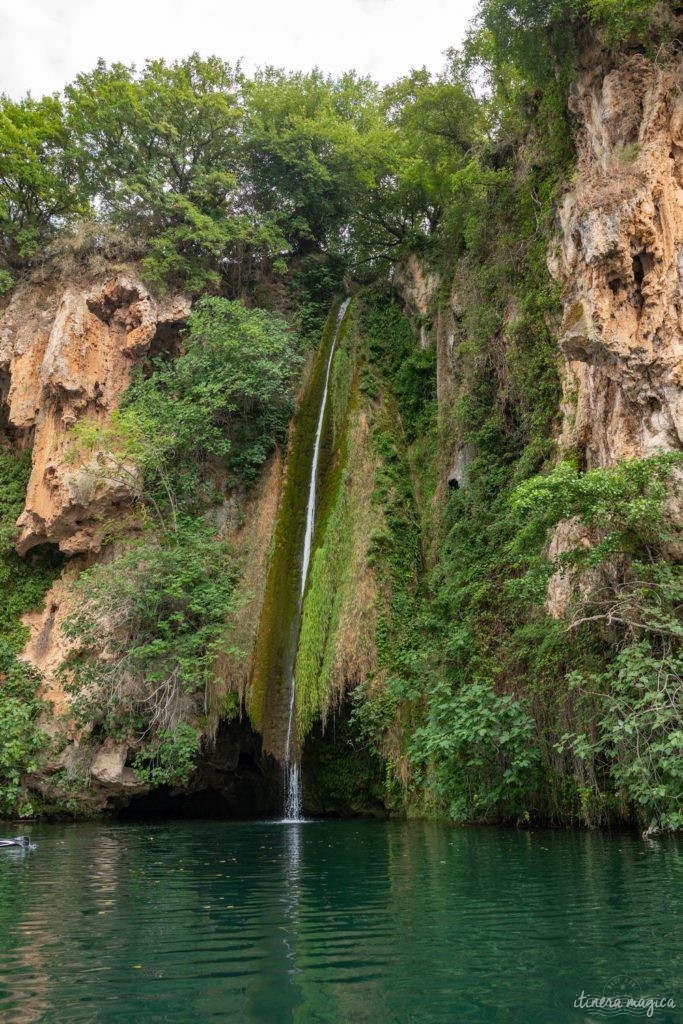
227 397
432 128
40 189
215 412
161 151
310 142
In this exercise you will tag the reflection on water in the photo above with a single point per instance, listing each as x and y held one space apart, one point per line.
327 922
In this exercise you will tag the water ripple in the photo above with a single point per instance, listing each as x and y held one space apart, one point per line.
332 922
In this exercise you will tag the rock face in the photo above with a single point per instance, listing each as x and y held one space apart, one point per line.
47 645
67 355
620 260
618 256
417 286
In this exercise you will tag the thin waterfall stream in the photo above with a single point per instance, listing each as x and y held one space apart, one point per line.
293 811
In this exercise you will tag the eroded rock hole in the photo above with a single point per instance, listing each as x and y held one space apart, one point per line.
46 556
112 302
641 266
166 341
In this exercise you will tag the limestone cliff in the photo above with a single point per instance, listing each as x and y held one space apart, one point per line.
66 354
619 258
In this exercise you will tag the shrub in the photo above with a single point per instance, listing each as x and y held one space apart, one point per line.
21 742
170 759
148 626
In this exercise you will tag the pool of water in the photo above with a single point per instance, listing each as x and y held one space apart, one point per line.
336 921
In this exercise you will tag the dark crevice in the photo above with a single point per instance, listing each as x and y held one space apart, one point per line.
641 266
46 556
233 779
638 271
166 342
113 303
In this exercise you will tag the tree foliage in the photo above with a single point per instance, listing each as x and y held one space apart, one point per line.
311 142
227 397
40 188
225 178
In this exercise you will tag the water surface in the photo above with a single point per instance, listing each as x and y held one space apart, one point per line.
327 922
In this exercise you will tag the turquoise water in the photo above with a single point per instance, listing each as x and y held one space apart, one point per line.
330 922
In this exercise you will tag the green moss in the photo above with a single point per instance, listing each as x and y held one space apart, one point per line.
328 588
574 316
629 154
280 615
340 386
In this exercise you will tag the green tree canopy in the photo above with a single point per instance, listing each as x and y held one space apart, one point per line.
310 144
40 189
161 152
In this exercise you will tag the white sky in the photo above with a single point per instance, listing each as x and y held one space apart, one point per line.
45 43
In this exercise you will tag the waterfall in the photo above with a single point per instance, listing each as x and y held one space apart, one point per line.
292 771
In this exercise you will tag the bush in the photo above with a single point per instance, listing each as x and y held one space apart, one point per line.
636 704
482 748
148 626
170 759
21 742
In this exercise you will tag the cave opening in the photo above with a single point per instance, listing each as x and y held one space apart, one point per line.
166 343
46 556
234 779
342 777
